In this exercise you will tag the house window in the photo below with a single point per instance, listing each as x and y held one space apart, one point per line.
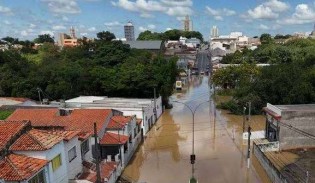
56 162
39 178
72 153
130 139
85 147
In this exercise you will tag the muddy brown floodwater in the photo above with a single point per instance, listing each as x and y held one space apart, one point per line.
164 157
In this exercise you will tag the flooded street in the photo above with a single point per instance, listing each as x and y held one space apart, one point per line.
218 145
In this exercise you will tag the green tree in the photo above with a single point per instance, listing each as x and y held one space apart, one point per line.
44 38
266 39
105 36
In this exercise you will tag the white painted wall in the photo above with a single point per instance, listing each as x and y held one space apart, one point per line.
88 155
75 166
59 175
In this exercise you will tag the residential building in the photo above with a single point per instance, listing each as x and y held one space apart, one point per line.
129 31
65 134
288 125
287 151
145 109
19 167
68 40
121 139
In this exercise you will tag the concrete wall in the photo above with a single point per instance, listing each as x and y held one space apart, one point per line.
271 171
304 121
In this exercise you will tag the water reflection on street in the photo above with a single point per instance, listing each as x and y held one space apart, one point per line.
165 154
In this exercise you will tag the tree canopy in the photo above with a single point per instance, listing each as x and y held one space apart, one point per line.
290 79
102 67
174 34
44 38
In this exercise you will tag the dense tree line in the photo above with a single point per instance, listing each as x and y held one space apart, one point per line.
169 35
101 67
290 79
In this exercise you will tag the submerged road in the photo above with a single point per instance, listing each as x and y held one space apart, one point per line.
165 154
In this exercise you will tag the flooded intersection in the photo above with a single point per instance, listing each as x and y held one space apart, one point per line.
220 151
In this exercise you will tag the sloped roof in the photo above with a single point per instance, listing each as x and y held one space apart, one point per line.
78 119
38 117
145 45
106 170
35 140
119 121
19 167
113 139
9 129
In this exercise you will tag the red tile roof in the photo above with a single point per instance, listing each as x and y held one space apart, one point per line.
19 167
113 138
9 129
66 134
38 117
78 119
106 170
119 121
35 140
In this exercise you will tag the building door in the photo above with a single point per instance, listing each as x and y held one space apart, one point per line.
272 133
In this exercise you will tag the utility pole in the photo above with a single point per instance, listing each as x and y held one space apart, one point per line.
97 160
249 133
154 109
248 147
244 118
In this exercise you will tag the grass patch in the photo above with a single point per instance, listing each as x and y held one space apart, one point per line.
5 113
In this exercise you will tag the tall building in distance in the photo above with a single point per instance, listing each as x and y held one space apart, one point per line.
214 32
72 33
129 32
188 25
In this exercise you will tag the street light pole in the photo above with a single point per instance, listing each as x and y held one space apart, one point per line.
193 156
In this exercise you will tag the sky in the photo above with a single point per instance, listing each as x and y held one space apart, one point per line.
25 19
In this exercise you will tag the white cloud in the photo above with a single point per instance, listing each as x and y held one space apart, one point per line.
262 12
51 33
7 22
147 7
219 13
32 26
277 6
58 27
263 27
150 27
303 14
5 10
92 29
64 18
218 17
63 6
113 24
268 10
84 34
167 29
24 33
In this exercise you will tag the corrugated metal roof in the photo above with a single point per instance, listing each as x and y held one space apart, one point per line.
146 45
